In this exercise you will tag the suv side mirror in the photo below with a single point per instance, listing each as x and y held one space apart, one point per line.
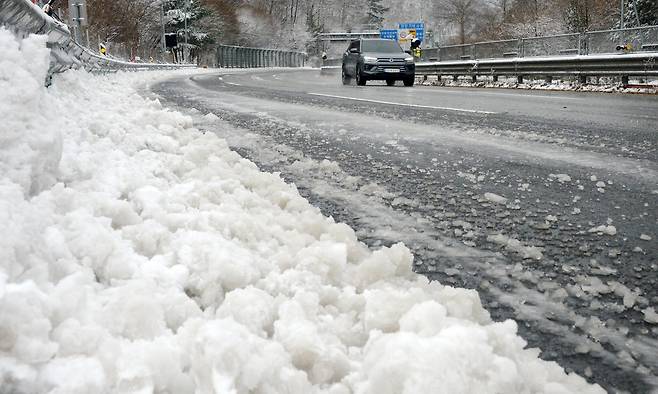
354 50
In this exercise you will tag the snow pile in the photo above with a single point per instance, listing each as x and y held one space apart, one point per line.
29 154
606 85
150 257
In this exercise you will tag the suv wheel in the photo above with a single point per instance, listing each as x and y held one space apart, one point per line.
390 82
346 78
409 81
360 79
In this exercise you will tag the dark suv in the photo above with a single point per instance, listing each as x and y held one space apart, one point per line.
370 59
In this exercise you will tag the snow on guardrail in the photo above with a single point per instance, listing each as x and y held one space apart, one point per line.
24 18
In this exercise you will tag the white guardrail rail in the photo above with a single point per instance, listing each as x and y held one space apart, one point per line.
24 18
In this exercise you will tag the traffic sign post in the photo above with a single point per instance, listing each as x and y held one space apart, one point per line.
78 15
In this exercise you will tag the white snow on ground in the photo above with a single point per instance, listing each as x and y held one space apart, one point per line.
605 85
528 252
138 255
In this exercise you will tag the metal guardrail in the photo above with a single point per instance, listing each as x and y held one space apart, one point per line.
24 18
588 43
621 65
245 57
347 36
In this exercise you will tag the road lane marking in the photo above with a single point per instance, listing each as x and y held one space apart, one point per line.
232 83
441 91
472 111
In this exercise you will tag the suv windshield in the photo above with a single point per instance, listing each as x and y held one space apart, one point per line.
388 46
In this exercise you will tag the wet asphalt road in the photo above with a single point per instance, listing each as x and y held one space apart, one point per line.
545 202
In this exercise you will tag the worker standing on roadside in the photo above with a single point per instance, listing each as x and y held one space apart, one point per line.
415 47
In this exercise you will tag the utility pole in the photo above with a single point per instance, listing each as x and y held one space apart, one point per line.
163 37
622 23
187 5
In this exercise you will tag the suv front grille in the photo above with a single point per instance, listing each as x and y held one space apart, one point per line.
386 66
390 60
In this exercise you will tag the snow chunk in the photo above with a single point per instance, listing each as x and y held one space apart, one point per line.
645 237
495 198
514 245
650 315
603 229
562 178
210 117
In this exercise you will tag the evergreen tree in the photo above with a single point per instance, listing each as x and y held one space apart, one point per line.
375 15
641 13
647 12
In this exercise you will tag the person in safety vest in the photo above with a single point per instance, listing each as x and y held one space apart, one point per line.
415 47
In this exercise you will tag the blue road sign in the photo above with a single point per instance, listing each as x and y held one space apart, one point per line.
419 28
391 34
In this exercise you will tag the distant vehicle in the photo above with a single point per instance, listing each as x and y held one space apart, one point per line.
377 59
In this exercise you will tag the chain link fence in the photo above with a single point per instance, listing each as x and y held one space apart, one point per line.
641 39
634 39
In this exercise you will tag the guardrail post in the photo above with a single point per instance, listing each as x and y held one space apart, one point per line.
585 44
521 47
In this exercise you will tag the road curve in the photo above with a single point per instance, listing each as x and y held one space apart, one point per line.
545 202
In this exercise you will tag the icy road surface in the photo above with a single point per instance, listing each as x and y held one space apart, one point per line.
544 202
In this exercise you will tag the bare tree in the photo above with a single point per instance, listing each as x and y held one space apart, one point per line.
460 13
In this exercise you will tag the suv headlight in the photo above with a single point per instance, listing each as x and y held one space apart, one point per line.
370 59
409 59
